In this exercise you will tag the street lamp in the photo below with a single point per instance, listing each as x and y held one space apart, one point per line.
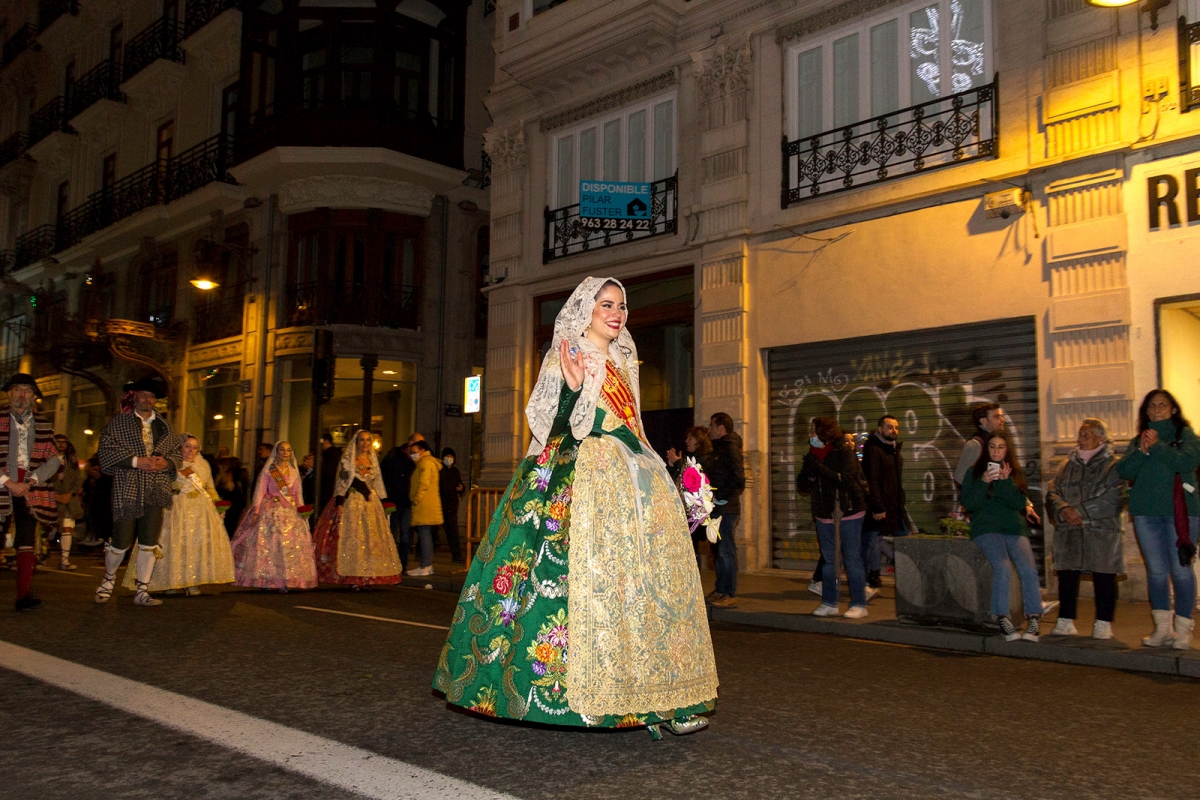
206 268
1151 7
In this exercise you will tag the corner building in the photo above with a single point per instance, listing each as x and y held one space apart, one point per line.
859 207
320 161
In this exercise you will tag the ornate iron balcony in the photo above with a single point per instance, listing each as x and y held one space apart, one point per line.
159 40
33 246
201 12
1189 90
12 148
50 10
99 83
19 42
565 234
951 130
47 119
160 182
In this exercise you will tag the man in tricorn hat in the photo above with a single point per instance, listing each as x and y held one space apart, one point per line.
139 451
28 462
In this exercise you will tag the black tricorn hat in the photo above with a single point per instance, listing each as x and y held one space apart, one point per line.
23 379
153 384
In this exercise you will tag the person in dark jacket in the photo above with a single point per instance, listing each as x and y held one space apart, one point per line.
1160 464
97 504
331 457
833 479
397 468
700 447
451 488
883 468
728 479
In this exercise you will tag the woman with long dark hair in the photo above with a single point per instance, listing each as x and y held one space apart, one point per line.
1160 464
833 478
994 492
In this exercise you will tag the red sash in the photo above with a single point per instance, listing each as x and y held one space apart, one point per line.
619 398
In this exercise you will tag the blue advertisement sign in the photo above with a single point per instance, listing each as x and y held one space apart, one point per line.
615 204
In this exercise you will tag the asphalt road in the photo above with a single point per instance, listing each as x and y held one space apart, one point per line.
799 715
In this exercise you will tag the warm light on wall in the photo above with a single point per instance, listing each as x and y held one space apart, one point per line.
1151 7
1110 3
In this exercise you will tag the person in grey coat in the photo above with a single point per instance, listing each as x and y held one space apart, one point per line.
1084 499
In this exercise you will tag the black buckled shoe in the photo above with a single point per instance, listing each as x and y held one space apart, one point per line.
27 602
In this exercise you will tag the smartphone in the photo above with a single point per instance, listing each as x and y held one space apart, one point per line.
993 469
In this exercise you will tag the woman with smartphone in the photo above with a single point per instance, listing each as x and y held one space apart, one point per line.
994 492
1160 464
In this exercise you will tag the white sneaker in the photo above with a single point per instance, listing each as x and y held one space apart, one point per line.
421 572
856 612
814 587
1102 630
826 610
1064 627
871 593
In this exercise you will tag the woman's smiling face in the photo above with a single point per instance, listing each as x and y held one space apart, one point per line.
609 315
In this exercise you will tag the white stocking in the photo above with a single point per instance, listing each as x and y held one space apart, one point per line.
112 559
145 565
64 541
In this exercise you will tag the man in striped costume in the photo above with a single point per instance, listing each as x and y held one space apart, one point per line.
28 462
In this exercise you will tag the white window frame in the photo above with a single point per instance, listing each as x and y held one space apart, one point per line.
863 28
597 123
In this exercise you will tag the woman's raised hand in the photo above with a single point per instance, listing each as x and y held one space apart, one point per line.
1005 470
572 366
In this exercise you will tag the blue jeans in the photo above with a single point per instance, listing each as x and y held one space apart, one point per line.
425 542
1156 535
401 523
852 560
999 550
725 557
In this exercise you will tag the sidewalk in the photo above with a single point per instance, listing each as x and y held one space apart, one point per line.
781 600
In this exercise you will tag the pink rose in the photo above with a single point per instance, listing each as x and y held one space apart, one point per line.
691 479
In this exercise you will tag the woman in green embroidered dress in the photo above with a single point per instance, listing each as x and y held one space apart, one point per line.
628 644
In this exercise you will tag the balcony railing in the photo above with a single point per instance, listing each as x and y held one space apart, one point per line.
33 246
219 315
565 233
160 182
952 130
12 148
102 82
159 40
50 10
1189 65
47 119
201 12
322 303
19 42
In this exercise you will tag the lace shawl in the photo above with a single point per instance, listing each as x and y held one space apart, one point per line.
260 489
347 470
570 326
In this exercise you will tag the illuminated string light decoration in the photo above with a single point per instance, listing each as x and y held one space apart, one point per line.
966 56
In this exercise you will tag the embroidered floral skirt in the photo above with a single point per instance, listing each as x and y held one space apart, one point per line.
511 647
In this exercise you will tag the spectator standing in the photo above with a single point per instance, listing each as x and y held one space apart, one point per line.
97 504
833 478
1084 500
426 504
450 490
728 478
1161 464
68 493
700 447
331 457
883 468
994 493
308 476
397 468
231 485
265 449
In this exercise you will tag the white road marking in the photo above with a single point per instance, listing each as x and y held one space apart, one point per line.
78 573
349 768
380 619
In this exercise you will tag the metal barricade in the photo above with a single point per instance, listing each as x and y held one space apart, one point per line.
481 506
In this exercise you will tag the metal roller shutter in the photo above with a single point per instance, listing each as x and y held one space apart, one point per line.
929 380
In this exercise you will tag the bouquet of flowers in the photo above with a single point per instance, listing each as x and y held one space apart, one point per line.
698 500
305 511
388 507
222 506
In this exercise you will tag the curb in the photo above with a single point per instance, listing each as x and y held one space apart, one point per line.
1078 651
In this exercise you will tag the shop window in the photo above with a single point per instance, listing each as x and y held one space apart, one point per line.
158 288
295 403
214 408
393 402
636 144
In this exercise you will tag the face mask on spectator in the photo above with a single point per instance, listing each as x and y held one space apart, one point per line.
815 441
448 461
415 455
